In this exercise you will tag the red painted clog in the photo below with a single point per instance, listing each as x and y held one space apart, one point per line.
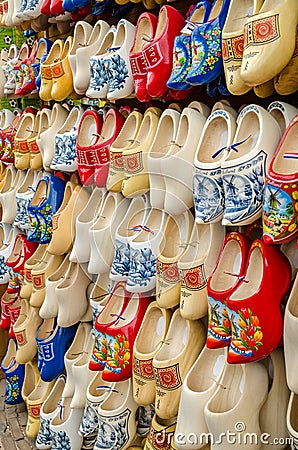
21 252
224 279
7 301
121 336
158 53
145 31
254 307
280 204
111 127
111 313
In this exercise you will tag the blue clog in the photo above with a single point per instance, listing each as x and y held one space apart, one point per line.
182 45
14 375
52 346
46 201
207 63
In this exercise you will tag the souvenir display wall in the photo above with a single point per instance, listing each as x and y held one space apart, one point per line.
148 222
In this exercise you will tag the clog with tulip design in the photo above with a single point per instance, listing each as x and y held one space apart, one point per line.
257 293
223 281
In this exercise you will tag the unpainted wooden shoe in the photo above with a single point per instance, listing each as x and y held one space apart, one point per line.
34 403
25 330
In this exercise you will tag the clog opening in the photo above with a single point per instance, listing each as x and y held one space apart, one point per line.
136 216
248 133
29 180
108 128
214 138
232 388
73 273
54 53
64 412
238 15
9 355
117 398
293 300
164 423
114 306
176 339
230 261
199 244
176 236
50 405
182 135
17 251
284 165
105 215
106 43
29 380
65 49
161 23
36 258
207 370
278 115
46 329
95 34
129 313
9 177
71 121
41 50
62 270
2 238
93 205
99 294
164 137
120 35
97 388
45 120
143 35
294 413
270 5
25 128
216 9
88 131
253 277
153 326
79 38
78 343
198 15
153 223
128 131
40 392
143 132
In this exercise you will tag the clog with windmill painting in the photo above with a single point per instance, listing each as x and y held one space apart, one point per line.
280 207
244 169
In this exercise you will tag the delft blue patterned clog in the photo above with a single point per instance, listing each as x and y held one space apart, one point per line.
52 348
45 203
207 63
14 374
182 46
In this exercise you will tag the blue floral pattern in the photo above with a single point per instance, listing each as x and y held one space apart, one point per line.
145 415
60 441
89 426
22 216
121 263
44 436
142 267
3 268
112 71
65 152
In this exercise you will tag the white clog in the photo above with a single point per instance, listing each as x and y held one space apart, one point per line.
164 138
177 232
81 247
183 342
127 230
196 265
198 387
65 426
81 35
217 136
144 250
177 166
117 418
245 167
283 113
290 337
102 232
99 294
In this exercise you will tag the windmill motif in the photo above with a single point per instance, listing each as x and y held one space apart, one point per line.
273 200
214 315
232 189
202 189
